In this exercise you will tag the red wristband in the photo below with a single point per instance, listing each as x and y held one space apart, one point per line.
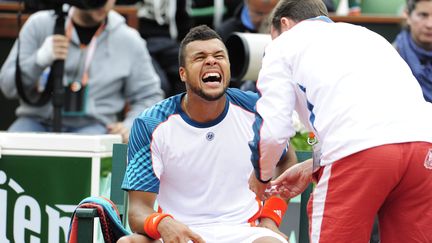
151 223
274 208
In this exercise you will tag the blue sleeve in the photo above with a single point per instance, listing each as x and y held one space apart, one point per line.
244 99
139 174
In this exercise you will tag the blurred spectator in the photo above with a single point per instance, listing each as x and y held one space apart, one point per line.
212 12
330 5
106 66
414 43
162 23
252 16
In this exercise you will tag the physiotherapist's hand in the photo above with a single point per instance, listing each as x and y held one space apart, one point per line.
294 180
55 47
270 224
119 128
173 231
258 187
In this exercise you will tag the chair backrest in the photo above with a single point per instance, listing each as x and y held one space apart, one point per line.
304 223
119 162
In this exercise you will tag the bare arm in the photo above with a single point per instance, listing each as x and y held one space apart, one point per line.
140 207
294 180
289 159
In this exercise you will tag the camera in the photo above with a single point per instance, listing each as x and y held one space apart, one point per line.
246 51
35 5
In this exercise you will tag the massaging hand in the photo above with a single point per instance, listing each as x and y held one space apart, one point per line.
172 231
293 181
55 47
258 187
119 128
270 224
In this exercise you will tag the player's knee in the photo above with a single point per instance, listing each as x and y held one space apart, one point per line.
136 238
124 239
267 239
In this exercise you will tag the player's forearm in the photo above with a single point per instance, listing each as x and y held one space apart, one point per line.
136 219
289 159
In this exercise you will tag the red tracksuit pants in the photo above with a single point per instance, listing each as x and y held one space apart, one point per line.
392 181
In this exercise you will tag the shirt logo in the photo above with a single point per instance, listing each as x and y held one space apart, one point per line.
210 136
428 160
155 219
278 213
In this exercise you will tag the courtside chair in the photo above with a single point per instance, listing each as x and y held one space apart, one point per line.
86 216
118 196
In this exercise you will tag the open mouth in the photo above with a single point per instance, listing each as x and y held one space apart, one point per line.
211 77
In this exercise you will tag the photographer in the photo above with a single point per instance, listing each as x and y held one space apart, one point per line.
106 67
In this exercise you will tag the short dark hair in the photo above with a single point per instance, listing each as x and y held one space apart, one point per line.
297 10
200 32
411 4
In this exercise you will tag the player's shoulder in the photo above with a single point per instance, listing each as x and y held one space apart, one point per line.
162 110
245 99
41 18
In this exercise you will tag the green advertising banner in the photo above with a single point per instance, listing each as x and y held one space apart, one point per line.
40 188
38 195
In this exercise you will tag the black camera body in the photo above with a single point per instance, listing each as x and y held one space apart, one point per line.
35 5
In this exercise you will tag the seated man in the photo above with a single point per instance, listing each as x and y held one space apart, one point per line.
190 153
414 43
100 75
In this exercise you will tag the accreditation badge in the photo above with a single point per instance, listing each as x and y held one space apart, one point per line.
75 86
316 152
74 99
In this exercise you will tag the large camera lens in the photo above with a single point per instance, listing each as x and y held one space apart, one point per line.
245 51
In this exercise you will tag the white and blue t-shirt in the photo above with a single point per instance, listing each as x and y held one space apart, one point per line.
200 171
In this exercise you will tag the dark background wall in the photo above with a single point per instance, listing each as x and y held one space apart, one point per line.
7 107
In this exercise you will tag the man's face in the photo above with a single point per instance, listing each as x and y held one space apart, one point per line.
259 10
207 69
420 22
96 16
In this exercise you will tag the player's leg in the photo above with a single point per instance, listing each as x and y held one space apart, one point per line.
267 239
28 124
256 235
242 233
406 215
136 238
348 195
